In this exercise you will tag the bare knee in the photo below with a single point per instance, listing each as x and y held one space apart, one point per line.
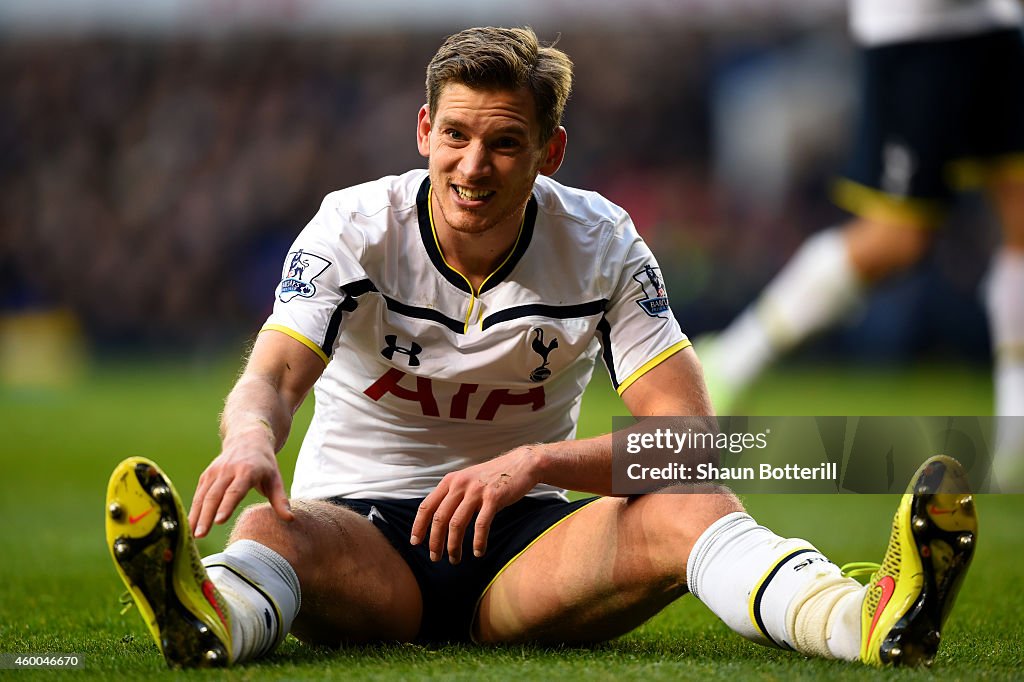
256 521
291 539
355 585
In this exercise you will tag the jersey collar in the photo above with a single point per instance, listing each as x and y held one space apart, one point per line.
429 236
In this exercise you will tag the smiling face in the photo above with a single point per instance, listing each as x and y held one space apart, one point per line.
484 156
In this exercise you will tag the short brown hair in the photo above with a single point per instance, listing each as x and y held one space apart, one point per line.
506 58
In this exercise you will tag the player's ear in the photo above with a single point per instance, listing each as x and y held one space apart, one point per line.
423 131
554 152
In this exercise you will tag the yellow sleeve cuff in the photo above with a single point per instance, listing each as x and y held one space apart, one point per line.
298 337
652 363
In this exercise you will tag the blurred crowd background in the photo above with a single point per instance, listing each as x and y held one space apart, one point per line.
152 180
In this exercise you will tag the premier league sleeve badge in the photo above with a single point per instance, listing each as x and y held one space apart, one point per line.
655 299
301 269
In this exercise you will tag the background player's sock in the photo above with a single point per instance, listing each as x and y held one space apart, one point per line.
815 289
1005 302
773 590
262 593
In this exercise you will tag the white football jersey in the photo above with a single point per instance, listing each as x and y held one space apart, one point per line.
881 22
425 375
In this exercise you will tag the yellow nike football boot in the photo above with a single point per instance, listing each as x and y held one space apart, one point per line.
909 597
156 556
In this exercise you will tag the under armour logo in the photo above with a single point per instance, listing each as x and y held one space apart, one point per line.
541 372
393 347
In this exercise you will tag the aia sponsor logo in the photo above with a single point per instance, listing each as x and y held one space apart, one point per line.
422 392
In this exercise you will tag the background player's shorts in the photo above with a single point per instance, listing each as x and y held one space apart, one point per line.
933 115
450 593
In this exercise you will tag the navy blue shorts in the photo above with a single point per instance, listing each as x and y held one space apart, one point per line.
451 593
931 111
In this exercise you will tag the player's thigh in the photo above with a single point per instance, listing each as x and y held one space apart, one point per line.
879 249
999 115
355 585
601 571
1008 197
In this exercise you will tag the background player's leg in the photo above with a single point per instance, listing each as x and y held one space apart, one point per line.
1005 299
354 584
880 249
822 284
816 288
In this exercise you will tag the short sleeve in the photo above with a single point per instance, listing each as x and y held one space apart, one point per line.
638 330
312 295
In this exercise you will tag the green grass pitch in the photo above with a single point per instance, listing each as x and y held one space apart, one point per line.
59 591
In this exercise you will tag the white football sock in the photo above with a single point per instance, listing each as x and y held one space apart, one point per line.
816 288
262 593
1005 302
751 578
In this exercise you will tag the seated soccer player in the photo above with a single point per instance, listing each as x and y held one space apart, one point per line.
448 320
